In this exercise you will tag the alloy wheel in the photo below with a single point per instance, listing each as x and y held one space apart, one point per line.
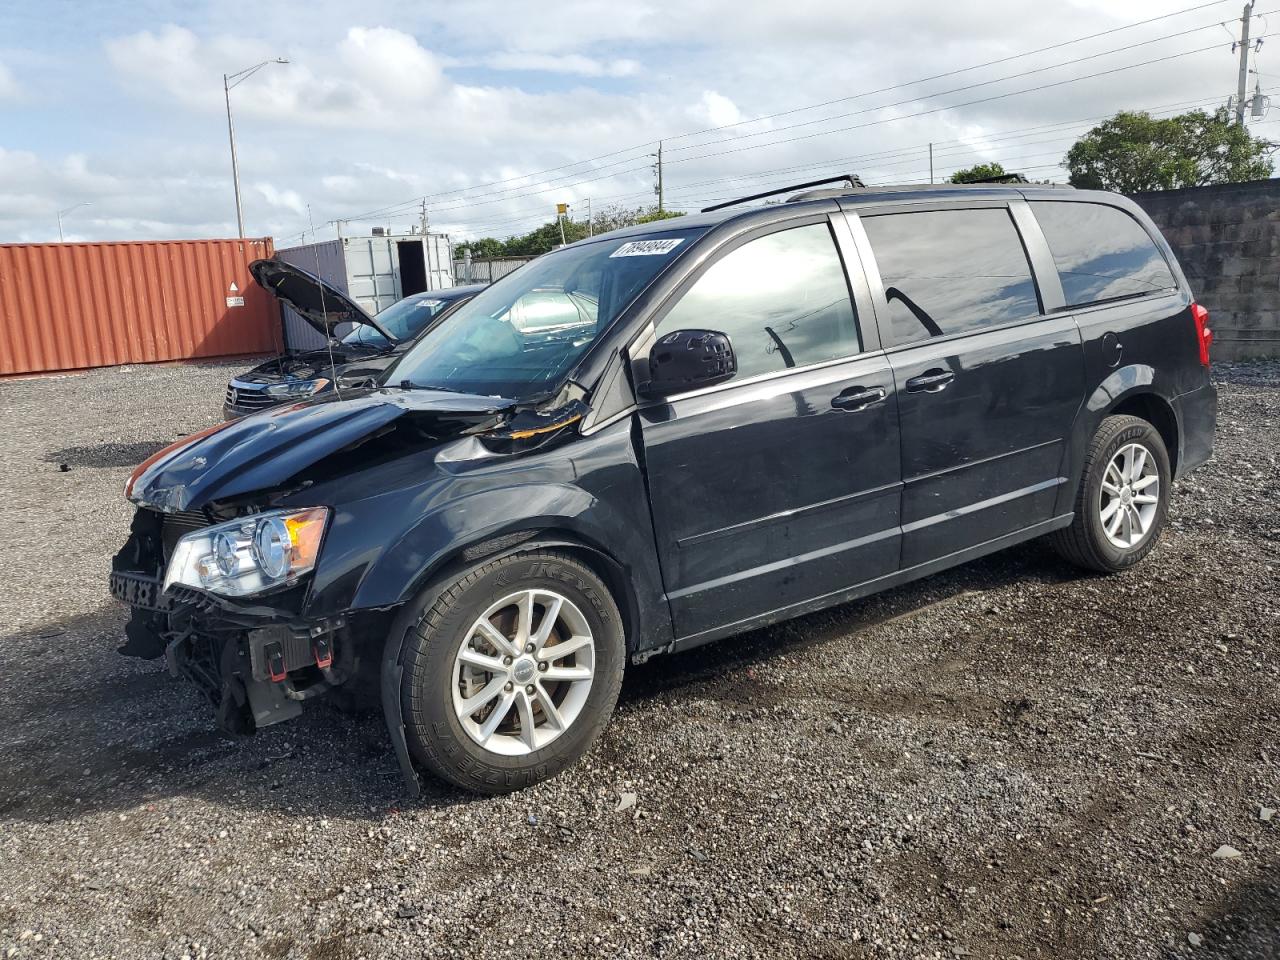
523 672
1130 496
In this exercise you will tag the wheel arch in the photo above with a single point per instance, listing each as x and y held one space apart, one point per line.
1136 390
1158 412
445 569
593 556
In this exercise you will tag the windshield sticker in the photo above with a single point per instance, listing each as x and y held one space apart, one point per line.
647 248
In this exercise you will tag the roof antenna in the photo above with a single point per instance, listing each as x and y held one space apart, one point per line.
324 306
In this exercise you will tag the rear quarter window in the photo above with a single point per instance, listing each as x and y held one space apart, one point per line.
1101 252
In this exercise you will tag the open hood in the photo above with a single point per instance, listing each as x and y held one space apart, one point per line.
316 301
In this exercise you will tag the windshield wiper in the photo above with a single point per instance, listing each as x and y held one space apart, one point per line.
410 385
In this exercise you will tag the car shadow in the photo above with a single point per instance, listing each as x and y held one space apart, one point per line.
85 730
99 455
1244 925
709 663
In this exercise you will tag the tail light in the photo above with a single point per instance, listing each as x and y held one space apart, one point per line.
1204 336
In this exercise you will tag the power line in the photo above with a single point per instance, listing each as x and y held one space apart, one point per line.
993 137
952 73
501 194
884 158
971 86
859 126
988 99
953 106
614 153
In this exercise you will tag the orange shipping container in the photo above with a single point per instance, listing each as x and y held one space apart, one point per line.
66 306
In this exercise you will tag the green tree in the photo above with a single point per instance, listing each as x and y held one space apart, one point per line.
547 237
654 214
1133 152
483 249
979 171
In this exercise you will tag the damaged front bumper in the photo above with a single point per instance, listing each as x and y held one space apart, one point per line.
255 662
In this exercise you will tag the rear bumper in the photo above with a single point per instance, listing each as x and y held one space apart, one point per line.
1197 413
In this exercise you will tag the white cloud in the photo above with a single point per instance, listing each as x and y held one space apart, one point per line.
390 66
716 109
572 63
284 199
395 101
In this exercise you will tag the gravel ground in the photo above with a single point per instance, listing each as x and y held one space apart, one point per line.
1008 760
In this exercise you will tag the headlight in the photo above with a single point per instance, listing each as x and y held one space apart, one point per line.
249 555
297 388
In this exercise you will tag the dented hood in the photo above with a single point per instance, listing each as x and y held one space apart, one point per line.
265 451
317 301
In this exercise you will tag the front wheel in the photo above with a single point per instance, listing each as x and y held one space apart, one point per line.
1123 499
512 671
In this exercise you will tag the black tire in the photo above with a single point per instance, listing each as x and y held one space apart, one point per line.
1085 543
439 626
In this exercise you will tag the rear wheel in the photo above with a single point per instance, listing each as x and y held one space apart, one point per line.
1123 499
512 671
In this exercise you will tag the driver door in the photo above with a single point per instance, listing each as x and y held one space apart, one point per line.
779 489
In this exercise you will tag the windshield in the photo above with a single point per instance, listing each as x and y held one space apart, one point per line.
519 336
404 320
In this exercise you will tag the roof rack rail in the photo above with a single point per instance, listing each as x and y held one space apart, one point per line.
1001 178
850 178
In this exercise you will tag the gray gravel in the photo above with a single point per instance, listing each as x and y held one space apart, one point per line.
1008 760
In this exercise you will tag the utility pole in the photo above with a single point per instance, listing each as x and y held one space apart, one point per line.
590 232
235 165
230 81
931 161
1243 83
660 198
423 218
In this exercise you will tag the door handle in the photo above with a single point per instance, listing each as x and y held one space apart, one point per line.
858 398
931 381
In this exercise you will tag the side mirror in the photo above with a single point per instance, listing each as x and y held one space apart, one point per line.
688 359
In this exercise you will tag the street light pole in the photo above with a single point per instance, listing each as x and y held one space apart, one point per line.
235 165
62 213
229 81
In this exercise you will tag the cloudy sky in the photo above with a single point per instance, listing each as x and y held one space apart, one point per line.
494 111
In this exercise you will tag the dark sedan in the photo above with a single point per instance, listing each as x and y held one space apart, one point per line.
371 345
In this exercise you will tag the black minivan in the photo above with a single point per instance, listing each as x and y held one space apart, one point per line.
667 435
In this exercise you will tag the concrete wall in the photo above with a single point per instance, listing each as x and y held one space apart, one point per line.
1227 239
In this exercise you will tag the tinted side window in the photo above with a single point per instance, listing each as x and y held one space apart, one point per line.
948 271
782 299
1101 252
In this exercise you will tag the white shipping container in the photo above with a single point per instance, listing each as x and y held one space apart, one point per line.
373 271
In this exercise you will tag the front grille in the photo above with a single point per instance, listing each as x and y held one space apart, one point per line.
174 526
243 399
